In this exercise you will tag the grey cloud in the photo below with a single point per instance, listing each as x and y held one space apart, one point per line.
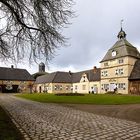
95 30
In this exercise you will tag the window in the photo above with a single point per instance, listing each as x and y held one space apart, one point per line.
84 87
22 85
116 72
84 78
120 61
106 64
104 73
9 85
55 87
76 87
119 71
46 88
67 87
122 86
58 87
49 87
105 87
102 86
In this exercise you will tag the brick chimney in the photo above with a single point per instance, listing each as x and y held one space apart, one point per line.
70 73
94 69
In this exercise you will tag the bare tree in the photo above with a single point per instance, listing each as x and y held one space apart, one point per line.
32 28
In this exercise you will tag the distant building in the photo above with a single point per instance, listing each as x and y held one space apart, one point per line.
54 82
67 82
119 73
41 70
41 67
87 81
13 80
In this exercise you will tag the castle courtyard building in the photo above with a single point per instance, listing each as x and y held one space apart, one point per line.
56 82
68 82
14 80
117 65
119 73
87 81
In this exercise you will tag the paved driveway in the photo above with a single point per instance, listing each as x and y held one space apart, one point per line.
38 121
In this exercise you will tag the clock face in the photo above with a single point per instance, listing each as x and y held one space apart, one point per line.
114 53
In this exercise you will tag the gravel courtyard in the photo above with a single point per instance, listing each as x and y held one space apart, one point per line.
39 121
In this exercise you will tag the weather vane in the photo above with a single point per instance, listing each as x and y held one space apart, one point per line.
122 22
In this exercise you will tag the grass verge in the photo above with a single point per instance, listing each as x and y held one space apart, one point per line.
87 99
8 130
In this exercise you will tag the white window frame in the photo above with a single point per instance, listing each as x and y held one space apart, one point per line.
121 86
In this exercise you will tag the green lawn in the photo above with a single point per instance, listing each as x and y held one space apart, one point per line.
8 131
87 99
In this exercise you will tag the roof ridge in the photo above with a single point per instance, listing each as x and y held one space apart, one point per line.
123 48
55 73
87 70
127 43
12 68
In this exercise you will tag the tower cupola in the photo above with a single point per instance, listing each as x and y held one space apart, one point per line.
121 34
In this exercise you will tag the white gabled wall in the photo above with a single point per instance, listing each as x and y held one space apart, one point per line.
86 87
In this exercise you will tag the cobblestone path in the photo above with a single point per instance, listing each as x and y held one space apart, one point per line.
38 121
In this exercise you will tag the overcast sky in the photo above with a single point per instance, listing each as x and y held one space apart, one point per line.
93 32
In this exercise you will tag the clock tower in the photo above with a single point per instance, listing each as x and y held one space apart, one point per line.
117 65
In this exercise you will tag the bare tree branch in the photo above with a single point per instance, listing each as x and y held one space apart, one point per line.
32 28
